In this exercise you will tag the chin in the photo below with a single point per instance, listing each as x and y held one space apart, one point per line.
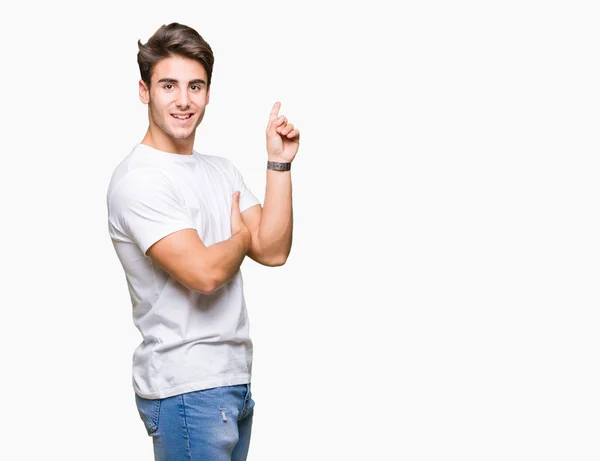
181 135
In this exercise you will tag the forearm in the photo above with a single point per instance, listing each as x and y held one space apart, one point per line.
274 238
225 258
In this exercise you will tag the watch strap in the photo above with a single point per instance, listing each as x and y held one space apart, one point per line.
279 166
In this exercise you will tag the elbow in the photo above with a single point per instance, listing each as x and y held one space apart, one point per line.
268 256
276 260
205 283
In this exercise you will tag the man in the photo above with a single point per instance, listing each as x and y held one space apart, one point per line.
181 224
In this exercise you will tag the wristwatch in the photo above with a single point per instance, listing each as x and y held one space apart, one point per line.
279 166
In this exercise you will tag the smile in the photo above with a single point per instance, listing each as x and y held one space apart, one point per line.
181 117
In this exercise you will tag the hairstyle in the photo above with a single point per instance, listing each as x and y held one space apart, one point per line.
174 40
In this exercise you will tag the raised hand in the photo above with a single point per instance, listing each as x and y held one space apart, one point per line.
283 139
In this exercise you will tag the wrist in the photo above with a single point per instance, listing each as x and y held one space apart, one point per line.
243 237
277 158
278 165
247 239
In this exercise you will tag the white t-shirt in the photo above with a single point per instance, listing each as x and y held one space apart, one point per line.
191 341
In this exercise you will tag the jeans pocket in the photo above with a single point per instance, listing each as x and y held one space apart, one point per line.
149 411
248 405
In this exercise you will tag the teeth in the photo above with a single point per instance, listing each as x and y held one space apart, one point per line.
182 117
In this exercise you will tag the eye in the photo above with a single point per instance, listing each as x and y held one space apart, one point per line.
168 86
195 88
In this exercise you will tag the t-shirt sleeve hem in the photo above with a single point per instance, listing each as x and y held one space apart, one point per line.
248 200
160 234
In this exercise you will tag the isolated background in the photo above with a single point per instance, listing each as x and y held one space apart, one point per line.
441 299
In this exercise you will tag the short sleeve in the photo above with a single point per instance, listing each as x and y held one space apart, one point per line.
145 206
247 198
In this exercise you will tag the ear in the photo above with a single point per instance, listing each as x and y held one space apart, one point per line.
144 92
207 95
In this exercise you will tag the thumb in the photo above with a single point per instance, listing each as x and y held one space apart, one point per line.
235 204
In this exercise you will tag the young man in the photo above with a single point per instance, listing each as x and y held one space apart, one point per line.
181 224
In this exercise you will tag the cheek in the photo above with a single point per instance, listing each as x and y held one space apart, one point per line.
159 101
201 100
154 109
158 112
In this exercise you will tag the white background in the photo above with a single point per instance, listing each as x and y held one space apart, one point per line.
441 299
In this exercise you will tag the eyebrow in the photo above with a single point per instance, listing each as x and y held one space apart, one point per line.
196 81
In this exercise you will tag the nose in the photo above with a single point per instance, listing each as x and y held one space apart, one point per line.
182 100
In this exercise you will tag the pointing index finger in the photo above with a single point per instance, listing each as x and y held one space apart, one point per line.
275 111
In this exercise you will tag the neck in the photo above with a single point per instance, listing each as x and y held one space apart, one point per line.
167 144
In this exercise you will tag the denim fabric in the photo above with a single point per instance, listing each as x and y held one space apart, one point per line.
208 425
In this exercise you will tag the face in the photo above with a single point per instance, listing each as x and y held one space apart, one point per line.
176 100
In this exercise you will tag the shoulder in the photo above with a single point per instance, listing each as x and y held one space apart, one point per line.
139 177
127 168
137 185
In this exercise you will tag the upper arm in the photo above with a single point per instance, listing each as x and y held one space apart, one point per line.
251 218
149 210
181 254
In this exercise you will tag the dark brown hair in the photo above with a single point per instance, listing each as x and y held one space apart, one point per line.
174 40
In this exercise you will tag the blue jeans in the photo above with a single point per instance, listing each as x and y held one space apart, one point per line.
209 425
